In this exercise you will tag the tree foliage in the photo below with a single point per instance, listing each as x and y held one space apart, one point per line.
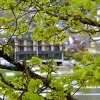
77 56
53 20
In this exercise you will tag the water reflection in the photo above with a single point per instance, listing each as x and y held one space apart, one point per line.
91 93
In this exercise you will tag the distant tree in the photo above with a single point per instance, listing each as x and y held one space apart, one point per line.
67 55
53 20
78 56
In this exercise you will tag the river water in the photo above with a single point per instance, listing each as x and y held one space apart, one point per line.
91 93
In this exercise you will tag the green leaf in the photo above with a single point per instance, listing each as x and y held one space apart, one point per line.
34 85
97 1
30 96
18 82
35 61
63 9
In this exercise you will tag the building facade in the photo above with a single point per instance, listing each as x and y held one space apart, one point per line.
94 45
25 48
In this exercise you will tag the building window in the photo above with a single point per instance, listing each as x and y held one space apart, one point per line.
40 48
29 42
92 44
28 56
56 47
42 56
21 42
39 42
25 56
21 48
47 48
58 56
20 57
30 48
48 56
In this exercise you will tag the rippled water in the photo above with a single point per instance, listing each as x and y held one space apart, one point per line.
91 93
